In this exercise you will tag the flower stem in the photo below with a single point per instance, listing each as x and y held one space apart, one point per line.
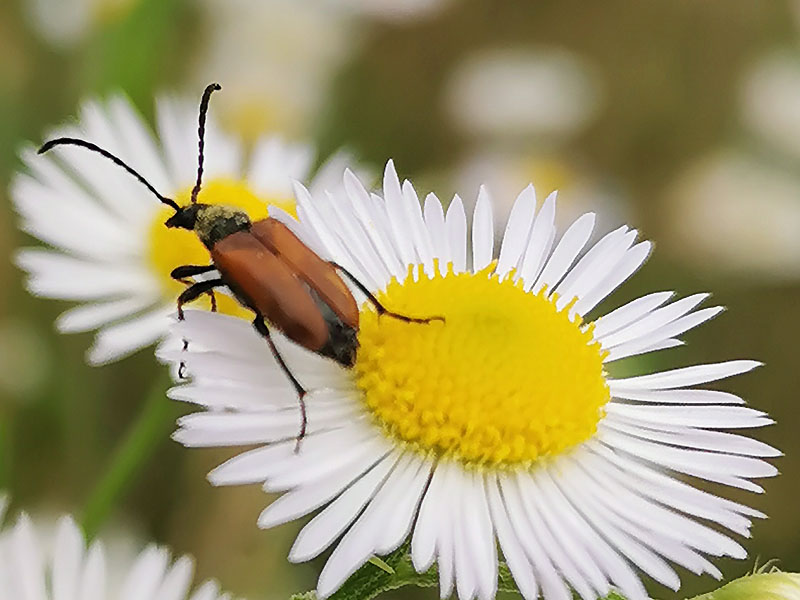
130 456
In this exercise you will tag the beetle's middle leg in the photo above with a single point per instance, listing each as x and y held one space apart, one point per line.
182 274
382 310
263 330
194 291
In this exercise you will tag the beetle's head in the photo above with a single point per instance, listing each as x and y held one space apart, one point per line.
186 216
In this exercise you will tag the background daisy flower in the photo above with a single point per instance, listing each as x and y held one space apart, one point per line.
62 567
110 250
501 425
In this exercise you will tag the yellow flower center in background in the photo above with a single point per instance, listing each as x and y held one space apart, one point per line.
506 380
170 248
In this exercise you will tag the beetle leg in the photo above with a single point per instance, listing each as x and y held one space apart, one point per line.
195 291
182 272
263 330
382 310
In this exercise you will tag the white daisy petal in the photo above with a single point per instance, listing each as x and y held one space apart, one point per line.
540 242
678 378
653 321
459 433
630 263
567 250
114 341
518 229
456 223
395 208
482 231
434 221
323 529
44 563
67 557
509 544
628 313
86 317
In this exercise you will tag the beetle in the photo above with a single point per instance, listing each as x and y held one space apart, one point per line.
267 268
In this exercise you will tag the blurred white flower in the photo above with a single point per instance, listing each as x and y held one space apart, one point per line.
65 22
110 249
41 562
770 98
391 10
734 213
277 58
522 92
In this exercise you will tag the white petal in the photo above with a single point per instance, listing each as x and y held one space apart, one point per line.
567 250
56 275
177 581
27 561
423 543
552 585
360 201
146 574
683 377
628 313
610 243
305 499
67 559
420 235
509 543
456 223
93 577
518 229
115 341
630 263
434 221
323 529
397 215
653 321
679 396
90 316
540 243
482 231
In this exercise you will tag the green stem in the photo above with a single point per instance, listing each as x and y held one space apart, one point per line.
131 455
372 580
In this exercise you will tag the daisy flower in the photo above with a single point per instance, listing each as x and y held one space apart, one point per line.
497 431
64 568
109 248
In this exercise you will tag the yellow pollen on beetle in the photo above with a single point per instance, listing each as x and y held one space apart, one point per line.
506 380
170 248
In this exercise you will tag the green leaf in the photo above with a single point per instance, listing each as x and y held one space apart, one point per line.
395 571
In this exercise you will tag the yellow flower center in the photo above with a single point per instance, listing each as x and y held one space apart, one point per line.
506 380
170 248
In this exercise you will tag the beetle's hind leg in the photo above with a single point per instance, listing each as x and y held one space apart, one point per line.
382 310
263 330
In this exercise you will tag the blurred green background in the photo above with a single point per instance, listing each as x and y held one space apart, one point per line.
679 117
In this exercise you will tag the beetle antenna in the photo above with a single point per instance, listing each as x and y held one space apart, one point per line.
67 141
201 134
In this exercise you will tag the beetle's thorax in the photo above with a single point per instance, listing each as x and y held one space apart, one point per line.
211 222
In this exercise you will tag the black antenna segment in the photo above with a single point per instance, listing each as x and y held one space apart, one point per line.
201 133
68 141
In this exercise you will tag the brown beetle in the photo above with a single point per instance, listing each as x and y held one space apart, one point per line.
267 268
